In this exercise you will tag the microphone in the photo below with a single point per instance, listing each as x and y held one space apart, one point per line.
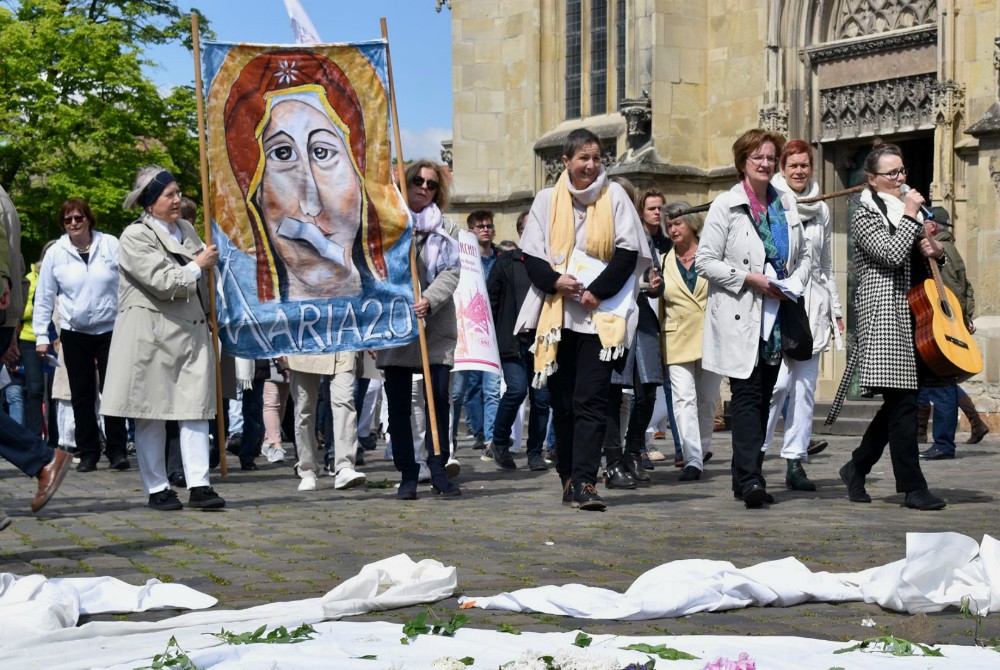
928 214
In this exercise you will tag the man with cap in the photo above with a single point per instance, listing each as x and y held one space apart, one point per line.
947 399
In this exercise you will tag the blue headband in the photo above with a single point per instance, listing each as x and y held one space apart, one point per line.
154 189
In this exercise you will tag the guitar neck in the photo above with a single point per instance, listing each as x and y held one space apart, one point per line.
939 284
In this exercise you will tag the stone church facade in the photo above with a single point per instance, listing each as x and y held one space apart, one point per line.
669 84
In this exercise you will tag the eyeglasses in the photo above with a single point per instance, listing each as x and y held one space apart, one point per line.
760 160
430 184
483 226
77 218
894 174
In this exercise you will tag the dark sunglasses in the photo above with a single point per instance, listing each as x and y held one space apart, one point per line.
483 226
78 218
429 183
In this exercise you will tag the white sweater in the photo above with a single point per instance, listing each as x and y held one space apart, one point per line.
88 301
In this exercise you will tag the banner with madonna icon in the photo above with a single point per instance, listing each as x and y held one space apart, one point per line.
313 235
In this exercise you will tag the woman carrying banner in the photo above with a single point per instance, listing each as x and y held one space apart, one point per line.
577 345
752 234
162 363
437 268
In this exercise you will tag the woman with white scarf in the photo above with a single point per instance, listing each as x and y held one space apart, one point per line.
576 343
797 379
892 252
162 362
438 268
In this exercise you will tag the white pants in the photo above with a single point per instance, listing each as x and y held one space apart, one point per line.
799 379
305 391
67 424
366 415
694 390
150 451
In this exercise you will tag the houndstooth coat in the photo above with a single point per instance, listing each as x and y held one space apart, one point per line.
885 350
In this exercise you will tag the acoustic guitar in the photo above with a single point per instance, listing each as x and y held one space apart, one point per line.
943 342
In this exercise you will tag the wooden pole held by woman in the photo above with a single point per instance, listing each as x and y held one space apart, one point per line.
206 210
428 392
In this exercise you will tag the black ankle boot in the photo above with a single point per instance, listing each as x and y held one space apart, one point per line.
796 478
616 476
634 467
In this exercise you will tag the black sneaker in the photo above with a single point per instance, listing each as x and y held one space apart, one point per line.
119 463
536 463
165 500
567 498
86 465
177 480
359 456
204 497
923 499
502 458
585 497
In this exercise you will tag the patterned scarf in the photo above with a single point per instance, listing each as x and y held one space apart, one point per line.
772 228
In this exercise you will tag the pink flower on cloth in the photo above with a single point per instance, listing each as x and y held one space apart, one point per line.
744 662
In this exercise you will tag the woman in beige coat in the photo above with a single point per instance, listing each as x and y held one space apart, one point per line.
693 389
162 363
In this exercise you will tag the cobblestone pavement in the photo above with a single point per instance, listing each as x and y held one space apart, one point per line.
507 531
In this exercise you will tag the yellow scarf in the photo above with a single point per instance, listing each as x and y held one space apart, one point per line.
600 236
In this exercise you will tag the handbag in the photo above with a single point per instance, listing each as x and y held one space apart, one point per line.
796 333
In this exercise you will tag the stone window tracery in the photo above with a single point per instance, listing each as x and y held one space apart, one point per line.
858 18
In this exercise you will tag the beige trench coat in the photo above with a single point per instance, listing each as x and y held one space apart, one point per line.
323 364
162 364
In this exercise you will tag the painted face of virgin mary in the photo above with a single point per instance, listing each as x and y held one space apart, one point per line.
310 198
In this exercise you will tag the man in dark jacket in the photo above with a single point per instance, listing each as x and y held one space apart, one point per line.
28 452
949 398
507 287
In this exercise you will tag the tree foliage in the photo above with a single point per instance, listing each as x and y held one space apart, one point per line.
78 116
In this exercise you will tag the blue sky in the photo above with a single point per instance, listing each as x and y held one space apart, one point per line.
419 44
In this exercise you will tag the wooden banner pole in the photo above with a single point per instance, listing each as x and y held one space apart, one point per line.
206 212
822 196
428 392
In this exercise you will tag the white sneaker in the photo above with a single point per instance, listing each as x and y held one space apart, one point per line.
308 481
425 473
348 478
654 454
452 468
273 453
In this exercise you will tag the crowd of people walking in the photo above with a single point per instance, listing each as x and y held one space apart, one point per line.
609 303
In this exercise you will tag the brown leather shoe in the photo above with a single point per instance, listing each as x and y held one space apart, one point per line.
50 478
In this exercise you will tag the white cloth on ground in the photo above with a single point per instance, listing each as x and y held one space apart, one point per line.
939 570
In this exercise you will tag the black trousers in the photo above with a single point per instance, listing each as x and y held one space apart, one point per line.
644 396
578 392
84 357
894 424
398 383
750 404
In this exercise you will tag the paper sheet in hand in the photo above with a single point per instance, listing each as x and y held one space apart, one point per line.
586 269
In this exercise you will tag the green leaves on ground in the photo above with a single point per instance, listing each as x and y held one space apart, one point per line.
173 658
418 626
661 650
582 640
890 644
507 628
279 635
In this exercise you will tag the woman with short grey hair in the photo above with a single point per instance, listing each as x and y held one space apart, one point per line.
162 359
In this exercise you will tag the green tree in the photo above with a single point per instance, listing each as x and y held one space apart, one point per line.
77 114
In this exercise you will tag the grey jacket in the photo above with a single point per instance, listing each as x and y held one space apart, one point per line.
441 325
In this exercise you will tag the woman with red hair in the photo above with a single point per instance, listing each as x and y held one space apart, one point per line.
797 379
